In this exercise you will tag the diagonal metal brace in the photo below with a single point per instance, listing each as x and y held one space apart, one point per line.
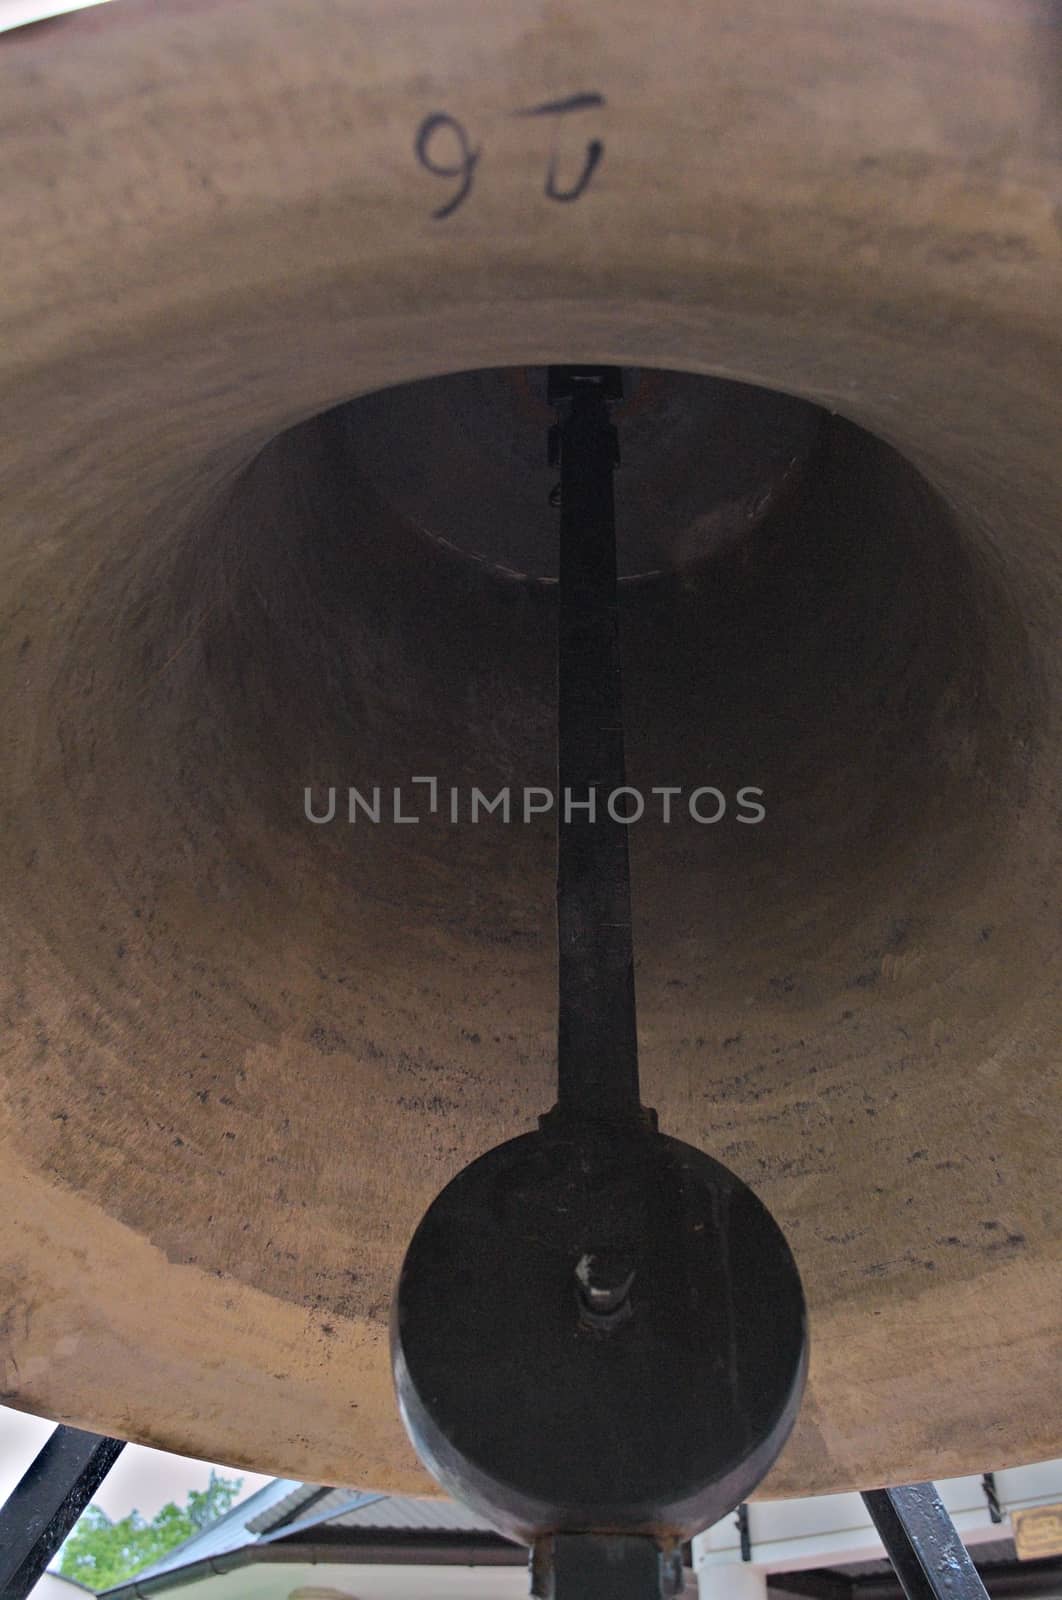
45 1504
930 1560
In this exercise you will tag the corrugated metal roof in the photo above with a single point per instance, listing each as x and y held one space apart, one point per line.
284 1509
412 1514
284 1505
230 1532
339 1508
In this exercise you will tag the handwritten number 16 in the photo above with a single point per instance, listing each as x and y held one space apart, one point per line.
440 138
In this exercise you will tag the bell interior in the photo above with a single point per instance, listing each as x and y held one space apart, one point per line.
274 514
284 1036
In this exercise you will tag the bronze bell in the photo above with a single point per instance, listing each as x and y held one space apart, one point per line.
271 362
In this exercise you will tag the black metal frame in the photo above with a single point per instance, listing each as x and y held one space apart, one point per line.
929 1559
46 1503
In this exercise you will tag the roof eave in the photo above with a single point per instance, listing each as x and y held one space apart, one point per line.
416 1551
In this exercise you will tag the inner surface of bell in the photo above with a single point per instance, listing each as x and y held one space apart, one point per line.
705 462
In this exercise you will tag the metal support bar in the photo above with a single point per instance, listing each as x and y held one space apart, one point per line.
597 1045
988 1484
43 1507
744 1532
604 1566
930 1560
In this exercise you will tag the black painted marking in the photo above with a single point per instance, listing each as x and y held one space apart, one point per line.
558 108
463 169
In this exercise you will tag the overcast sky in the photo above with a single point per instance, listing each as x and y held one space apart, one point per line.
16 13
140 1478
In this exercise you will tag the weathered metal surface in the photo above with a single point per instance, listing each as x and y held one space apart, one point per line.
920 1540
659 1425
705 462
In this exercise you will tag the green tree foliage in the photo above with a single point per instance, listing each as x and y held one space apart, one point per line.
100 1552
